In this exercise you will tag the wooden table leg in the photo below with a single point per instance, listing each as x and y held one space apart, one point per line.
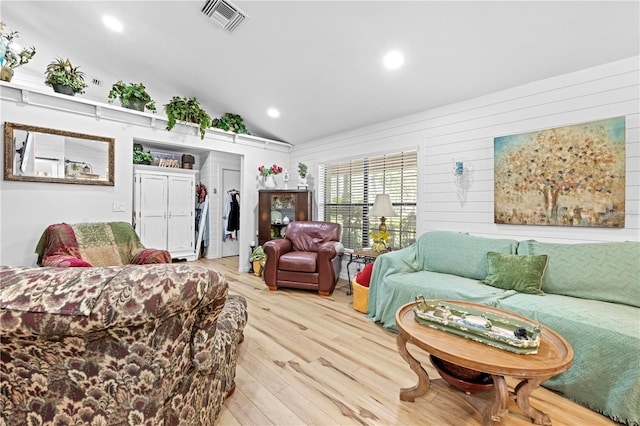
499 407
523 391
409 394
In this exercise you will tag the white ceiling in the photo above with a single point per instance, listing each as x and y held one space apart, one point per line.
320 62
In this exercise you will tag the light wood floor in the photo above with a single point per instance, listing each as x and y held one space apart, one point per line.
312 360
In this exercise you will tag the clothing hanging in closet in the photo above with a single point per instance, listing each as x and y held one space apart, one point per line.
231 215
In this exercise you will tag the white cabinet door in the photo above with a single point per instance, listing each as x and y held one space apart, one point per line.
181 205
152 220
164 205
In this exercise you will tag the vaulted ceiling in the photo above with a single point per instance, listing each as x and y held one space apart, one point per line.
320 62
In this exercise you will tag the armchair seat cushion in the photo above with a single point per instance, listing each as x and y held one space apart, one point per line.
299 261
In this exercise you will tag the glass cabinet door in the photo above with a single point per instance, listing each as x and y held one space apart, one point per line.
277 208
283 208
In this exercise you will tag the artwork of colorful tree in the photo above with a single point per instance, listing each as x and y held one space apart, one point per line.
566 176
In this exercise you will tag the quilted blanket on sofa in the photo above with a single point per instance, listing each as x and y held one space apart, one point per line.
99 244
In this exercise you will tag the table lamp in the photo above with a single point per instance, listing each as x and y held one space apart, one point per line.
382 207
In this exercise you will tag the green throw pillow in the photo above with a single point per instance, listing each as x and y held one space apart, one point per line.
515 272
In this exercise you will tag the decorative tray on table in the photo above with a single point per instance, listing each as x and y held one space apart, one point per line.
501 331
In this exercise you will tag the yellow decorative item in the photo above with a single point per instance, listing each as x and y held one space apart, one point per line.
360 296
379 247
380 241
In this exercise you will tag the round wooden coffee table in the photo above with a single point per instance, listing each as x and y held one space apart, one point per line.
554 357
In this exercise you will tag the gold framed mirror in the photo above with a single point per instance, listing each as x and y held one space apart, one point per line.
39 154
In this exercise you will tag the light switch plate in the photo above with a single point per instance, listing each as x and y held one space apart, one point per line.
118 206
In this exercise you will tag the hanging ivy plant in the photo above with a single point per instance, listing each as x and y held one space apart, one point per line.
187 110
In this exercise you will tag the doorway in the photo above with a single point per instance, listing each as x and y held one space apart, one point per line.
230 182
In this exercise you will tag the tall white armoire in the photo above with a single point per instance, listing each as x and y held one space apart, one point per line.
164 209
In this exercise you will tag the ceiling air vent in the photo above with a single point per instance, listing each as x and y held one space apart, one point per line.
223 13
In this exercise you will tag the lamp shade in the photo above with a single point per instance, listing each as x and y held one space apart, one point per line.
382 207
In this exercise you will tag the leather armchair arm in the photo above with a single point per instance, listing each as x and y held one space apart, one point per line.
329 265
274 249
326 252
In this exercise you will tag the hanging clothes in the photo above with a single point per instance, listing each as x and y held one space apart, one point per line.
231 218
234 215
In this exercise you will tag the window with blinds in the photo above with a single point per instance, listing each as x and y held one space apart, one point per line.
347 190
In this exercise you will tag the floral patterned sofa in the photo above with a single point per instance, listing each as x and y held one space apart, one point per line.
127 345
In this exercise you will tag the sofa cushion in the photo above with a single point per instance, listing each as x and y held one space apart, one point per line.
364 277
401 288
512 272
604 337
459 254
599 271
52 292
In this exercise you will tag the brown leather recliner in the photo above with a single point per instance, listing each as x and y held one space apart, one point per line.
309 257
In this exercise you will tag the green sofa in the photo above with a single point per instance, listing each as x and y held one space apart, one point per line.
591 297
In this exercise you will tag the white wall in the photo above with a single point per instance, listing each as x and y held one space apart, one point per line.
466 130
27 208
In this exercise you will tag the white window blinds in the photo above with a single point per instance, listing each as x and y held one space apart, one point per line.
348 189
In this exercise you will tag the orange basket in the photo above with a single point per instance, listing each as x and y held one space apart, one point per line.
360 296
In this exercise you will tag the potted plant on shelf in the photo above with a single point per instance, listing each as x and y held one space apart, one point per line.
139 156
302 172
64 77
231 123
187 110
132 96
258 258
9 58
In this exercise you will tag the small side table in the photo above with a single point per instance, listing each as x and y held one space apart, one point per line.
361 257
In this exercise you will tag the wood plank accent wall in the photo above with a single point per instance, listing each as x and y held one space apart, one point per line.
465 131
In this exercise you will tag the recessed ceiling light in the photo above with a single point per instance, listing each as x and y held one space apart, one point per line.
393 60
112 23
273 113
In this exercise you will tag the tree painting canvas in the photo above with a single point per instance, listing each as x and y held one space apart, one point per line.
566 176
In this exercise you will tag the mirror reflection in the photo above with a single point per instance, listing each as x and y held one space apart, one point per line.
49 155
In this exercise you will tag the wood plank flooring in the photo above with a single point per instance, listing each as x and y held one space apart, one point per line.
313 360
